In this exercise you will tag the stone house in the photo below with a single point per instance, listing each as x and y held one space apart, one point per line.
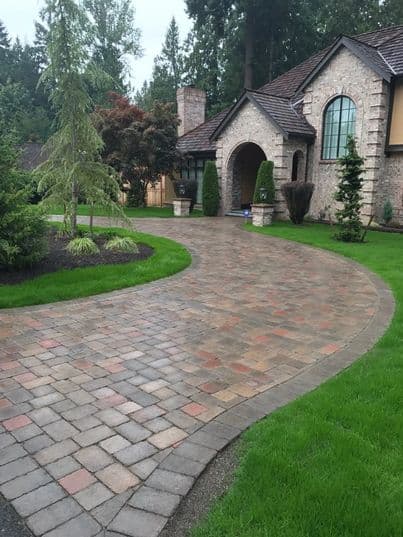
301 121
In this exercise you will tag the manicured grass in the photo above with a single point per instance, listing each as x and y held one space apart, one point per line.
169 257
331 463
131 212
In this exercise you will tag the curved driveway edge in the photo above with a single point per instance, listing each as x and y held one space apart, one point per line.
112 406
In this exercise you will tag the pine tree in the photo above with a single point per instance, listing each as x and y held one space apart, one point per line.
349 194
73 168
4 54
167 72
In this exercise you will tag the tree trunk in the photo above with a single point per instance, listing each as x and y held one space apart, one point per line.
91 219
271 54
249 47
74 205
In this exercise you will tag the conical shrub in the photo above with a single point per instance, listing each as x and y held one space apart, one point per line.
211 191
265 180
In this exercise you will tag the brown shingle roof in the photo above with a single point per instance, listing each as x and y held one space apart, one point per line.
198 140
383 48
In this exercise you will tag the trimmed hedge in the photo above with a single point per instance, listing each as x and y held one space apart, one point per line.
265 180
211 191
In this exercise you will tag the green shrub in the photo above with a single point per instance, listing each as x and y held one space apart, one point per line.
265 180
211 192
22 226
387 212
298 195
122 244
190 187
82 246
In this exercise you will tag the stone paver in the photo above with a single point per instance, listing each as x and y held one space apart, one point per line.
111 406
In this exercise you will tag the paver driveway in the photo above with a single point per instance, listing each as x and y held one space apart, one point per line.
112 405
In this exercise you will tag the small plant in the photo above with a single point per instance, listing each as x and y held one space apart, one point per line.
387 212
298 195
211 192
265 181
188 186
349 194
122 244
82 246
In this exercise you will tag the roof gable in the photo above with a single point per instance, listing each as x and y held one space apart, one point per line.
367 54
278 111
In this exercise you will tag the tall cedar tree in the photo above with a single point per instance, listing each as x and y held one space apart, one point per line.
211 190
140 145
167 72
74 168
349 194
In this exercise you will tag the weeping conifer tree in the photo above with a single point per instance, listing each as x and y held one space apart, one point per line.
74 169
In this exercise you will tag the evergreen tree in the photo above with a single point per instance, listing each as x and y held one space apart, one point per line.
73 168
116 40
167 72
4 54
349 194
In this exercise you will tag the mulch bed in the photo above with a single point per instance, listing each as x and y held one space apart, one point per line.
59 258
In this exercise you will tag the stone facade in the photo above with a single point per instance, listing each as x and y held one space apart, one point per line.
250 126
347 75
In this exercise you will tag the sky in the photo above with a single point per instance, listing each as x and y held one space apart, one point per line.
152 17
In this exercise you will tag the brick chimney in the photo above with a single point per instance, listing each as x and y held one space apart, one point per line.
191 108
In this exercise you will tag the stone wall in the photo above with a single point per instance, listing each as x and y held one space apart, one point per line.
391 187
250 125
347 75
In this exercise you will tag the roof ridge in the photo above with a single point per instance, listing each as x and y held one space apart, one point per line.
392 27
354 38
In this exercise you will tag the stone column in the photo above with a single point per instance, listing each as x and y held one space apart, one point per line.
182 206
262 214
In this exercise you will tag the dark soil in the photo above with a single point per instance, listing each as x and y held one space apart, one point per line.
59 258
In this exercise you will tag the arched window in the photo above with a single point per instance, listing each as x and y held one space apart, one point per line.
338 124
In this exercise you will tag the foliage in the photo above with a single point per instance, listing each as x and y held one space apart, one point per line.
116 39
349 194
122 244
211 192
73 169
22 227
190 187
387 212
298 195
167 72
139 145
168 258
265 180
82 246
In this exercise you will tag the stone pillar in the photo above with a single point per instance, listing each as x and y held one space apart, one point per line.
262 214
182 206
191 108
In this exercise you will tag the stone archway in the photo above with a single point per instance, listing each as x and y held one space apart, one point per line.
243 166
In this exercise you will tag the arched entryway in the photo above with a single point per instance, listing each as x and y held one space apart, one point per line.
244 165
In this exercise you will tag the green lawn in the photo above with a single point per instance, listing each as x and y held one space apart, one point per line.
169 257
331 463
131 212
